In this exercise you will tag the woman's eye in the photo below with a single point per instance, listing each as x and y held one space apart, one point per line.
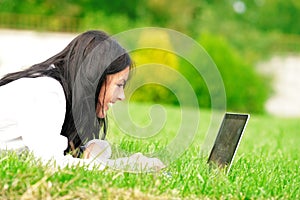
120 85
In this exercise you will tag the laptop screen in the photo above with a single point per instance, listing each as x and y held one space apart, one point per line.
228 139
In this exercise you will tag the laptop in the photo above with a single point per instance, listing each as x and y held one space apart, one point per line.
227 140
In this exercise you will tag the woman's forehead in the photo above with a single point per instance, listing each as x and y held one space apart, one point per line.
120 75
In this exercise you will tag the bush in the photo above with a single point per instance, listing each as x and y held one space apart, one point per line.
153 67
246 90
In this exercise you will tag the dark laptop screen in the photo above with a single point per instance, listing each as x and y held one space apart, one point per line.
228 139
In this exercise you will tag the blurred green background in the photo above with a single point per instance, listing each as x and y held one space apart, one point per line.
237 35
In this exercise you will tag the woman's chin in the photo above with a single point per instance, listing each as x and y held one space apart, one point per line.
101 115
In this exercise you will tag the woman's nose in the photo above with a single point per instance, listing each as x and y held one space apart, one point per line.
121 95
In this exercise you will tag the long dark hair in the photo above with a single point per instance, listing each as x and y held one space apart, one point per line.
81 68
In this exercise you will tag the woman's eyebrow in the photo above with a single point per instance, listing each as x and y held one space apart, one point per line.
123 80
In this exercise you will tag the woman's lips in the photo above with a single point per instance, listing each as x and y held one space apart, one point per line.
105 109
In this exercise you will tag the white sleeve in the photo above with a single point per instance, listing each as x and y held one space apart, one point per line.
41 118
41 113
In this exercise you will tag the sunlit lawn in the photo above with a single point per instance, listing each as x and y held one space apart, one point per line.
267 165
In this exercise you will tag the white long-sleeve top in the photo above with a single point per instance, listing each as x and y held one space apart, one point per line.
32 112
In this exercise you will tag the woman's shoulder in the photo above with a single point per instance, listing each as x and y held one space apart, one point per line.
44 87
33 90
38 82
33 104
33 85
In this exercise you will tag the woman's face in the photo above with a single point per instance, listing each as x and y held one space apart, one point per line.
112 90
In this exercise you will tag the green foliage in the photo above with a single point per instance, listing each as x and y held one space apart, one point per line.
189 16
237 35
274 15
245 89
155 60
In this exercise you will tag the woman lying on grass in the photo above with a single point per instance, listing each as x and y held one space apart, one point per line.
57 108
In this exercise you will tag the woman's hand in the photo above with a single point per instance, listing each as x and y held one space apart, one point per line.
136 163
139 162
100 151
95 149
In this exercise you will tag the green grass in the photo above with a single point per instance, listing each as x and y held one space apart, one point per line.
267 166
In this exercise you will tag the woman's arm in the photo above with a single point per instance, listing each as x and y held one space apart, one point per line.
41 115
40 119
100 151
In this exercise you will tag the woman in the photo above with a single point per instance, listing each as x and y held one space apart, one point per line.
55 107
